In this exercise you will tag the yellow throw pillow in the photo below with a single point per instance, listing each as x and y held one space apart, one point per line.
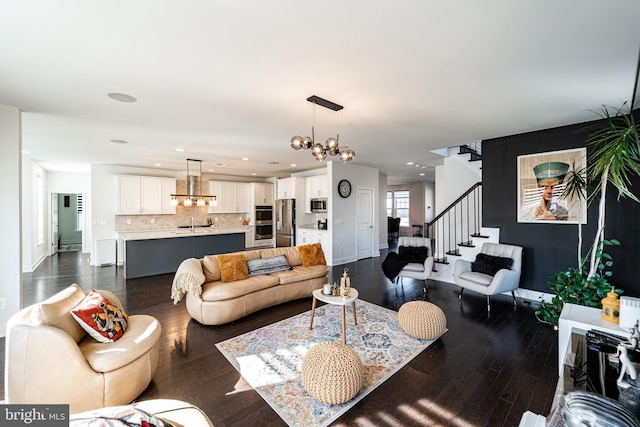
233 267
312 254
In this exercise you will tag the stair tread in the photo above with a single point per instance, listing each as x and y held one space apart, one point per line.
480 236
468 244
454 253
441 261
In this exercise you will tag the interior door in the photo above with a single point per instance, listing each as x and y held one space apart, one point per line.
364 216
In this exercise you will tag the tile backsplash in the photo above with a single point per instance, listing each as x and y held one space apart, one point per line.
182 217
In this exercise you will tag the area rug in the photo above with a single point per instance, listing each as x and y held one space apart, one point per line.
270 358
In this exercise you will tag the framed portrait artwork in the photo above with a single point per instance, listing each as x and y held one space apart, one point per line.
541 184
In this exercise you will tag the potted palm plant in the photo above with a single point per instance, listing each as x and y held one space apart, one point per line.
614 159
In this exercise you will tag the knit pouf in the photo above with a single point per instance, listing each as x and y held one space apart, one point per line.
422 320
332 372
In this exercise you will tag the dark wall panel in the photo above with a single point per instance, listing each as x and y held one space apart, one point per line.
550 248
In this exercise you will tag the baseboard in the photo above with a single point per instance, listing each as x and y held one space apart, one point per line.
31 268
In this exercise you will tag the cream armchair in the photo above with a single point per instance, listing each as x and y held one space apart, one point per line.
50 359
414 270
504 280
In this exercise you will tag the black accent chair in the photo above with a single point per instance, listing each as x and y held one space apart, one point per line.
393 227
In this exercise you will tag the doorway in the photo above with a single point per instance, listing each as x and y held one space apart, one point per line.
67 219
364 215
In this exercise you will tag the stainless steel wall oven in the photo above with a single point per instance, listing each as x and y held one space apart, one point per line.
264 222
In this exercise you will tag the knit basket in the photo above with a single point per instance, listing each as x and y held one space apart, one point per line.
332 372
422 320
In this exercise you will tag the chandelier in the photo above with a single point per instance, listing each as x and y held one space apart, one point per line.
194 177
331 147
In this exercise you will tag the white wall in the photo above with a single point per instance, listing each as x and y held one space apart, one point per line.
342 217
10 214
452 180
37 251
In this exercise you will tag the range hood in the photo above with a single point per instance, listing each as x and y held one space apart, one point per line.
194 187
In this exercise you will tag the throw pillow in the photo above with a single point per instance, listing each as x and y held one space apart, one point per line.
414 253
103 320
268 265
312 254
233 267
489 264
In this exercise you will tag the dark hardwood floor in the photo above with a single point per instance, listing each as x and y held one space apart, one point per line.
482 372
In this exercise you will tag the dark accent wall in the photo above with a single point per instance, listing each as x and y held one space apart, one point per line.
551 248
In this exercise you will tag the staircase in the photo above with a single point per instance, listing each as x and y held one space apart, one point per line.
457 232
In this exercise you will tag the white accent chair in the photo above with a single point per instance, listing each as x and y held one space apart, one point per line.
416 270
504 280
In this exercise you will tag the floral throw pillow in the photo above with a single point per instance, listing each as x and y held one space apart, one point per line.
103 320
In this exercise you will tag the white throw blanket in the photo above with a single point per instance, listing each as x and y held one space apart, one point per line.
188 278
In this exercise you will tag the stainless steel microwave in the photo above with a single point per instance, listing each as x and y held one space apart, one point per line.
319 205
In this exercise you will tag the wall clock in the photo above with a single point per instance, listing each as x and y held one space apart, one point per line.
344 188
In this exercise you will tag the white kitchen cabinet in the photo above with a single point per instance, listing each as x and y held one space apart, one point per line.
322 237
286 188
248 237
215 189
317 186
144 195
304 236
168 188
232 197
243 197
262 194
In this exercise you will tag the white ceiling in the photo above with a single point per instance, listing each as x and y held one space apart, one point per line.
228 79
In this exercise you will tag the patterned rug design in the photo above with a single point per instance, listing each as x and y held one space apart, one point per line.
270 358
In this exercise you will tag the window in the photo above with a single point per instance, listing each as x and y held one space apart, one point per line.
398 206
401 206
40 208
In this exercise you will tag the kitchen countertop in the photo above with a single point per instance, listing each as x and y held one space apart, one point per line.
181 232
310 227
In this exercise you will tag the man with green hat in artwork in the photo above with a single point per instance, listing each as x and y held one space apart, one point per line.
548 175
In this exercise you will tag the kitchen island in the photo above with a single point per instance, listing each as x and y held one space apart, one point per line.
147 253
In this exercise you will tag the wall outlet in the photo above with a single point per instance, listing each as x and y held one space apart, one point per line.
2 303
216 219
153 221
128 222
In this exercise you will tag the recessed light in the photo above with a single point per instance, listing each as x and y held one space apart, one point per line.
245 158
409 163
422 173
254 174
210 170
122 97
293 165
157 164
180 149
118 141
417 166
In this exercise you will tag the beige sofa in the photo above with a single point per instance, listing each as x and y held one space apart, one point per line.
49 358
222 302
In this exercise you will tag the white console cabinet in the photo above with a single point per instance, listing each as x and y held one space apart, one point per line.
576 316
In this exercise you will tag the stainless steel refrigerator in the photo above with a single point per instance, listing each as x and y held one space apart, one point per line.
285 222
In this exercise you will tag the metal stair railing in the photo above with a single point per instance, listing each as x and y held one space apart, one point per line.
456 225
